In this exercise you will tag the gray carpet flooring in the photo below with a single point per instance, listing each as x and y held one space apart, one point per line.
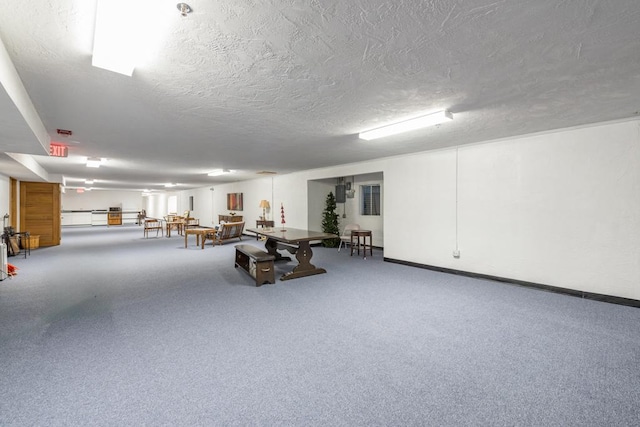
113 329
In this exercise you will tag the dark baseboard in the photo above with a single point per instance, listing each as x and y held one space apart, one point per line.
581 294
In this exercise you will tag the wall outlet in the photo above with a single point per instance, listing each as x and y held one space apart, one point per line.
456 253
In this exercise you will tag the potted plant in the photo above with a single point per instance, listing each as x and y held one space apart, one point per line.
330 221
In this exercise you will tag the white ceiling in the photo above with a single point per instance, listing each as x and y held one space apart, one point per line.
287 85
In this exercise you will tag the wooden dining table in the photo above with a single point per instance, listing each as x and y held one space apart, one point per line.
296 241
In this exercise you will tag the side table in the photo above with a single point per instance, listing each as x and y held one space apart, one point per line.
200 235
263 223
25 240
357 234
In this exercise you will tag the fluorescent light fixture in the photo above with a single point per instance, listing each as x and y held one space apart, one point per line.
94 162
407 125
114 40
219 172
169 185
89 181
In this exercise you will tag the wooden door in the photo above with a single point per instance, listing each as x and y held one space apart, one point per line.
13 203
40 211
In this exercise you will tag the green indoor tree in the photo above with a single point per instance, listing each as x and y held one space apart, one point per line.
330 221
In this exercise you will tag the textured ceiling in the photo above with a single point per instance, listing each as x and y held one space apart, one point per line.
287 85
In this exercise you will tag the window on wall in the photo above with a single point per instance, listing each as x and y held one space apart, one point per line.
370 199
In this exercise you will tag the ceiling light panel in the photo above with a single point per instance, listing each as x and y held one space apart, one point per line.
407 125
114 42
94 162
219 172
128 32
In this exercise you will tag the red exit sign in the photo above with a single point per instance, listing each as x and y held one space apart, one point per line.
58 150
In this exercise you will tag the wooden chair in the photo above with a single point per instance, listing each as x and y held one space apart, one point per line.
141 216
151 224
191 223
345 237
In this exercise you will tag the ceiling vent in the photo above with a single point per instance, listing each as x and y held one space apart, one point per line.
64 132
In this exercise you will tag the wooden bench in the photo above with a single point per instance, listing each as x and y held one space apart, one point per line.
228 231
256 262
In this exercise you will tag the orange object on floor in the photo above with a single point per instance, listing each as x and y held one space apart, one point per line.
12 270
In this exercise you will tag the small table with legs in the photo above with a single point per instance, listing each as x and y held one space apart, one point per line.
199 233
263 223
355 237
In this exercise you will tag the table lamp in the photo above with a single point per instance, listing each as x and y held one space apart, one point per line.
264 204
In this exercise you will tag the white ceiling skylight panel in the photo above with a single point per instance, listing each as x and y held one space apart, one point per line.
127 32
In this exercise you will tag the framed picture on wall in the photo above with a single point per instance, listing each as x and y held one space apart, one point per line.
234 201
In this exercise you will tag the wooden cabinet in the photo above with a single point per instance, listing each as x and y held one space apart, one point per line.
230 218
114 218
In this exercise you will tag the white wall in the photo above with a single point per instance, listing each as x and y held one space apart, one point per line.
156 204
420 207
560 208
101 199
318 192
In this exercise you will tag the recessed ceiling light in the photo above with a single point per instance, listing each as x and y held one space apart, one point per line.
94 162
219 172
407 125
89 181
